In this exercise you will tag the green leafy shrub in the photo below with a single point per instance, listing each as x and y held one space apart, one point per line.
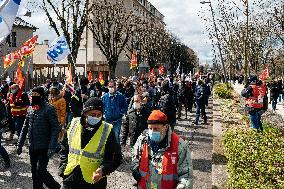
223 91
255 159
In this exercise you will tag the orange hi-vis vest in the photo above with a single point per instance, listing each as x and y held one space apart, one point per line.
17 110
169 166
256 100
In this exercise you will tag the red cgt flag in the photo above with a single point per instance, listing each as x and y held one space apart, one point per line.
19 78
101 78
134 62
265 74
152 73
90 76
161 70
25 50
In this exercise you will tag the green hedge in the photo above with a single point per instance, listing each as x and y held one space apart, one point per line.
223 91
255 160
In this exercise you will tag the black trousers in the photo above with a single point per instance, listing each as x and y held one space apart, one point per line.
102 184
39 161
3 152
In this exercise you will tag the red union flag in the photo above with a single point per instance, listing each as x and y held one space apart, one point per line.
19 78
101 78
161 70
25 50
152 73
265 74
90 76
134 62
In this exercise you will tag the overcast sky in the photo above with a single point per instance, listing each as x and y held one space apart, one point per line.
181 17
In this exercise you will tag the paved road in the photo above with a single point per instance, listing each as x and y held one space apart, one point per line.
279 107
19 176
201 148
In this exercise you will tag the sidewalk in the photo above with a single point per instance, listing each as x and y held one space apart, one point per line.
219 168
279 107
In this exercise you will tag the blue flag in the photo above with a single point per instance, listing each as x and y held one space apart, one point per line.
58 50
8 13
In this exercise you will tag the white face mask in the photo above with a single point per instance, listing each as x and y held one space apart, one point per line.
136 105
13 91
111 90
93 120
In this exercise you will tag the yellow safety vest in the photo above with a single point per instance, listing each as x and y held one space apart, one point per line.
90 158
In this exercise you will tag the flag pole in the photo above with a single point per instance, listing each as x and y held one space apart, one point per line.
86 50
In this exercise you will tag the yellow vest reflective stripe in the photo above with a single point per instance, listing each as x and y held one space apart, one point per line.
90 158
76 97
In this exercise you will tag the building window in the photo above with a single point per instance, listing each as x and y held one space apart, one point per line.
14 39
144 3
8 40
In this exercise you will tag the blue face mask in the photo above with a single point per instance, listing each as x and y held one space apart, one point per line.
154 135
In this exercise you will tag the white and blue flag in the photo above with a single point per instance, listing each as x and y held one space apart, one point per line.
23 8
58 50
8 13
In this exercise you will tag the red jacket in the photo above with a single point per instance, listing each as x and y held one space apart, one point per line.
169 164
17 104
256 100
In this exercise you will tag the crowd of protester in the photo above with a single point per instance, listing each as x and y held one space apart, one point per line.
70 118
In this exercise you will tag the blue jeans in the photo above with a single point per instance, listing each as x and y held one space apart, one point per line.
255 120
116 128
200 109
68 118
19 122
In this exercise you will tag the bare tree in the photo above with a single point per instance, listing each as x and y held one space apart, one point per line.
112 25
68 18
155 42
248 36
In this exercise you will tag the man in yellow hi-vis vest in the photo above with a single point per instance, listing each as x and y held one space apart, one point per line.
90 150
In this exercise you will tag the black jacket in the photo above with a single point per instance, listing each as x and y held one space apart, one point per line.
3 112
3 116
76 104
167 106
129 93
43 128
137 121
111 161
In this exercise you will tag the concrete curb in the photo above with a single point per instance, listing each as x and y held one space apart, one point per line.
219 168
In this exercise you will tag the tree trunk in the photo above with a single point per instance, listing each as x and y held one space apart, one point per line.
112 67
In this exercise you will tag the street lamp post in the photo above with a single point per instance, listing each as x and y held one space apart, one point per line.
217 37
